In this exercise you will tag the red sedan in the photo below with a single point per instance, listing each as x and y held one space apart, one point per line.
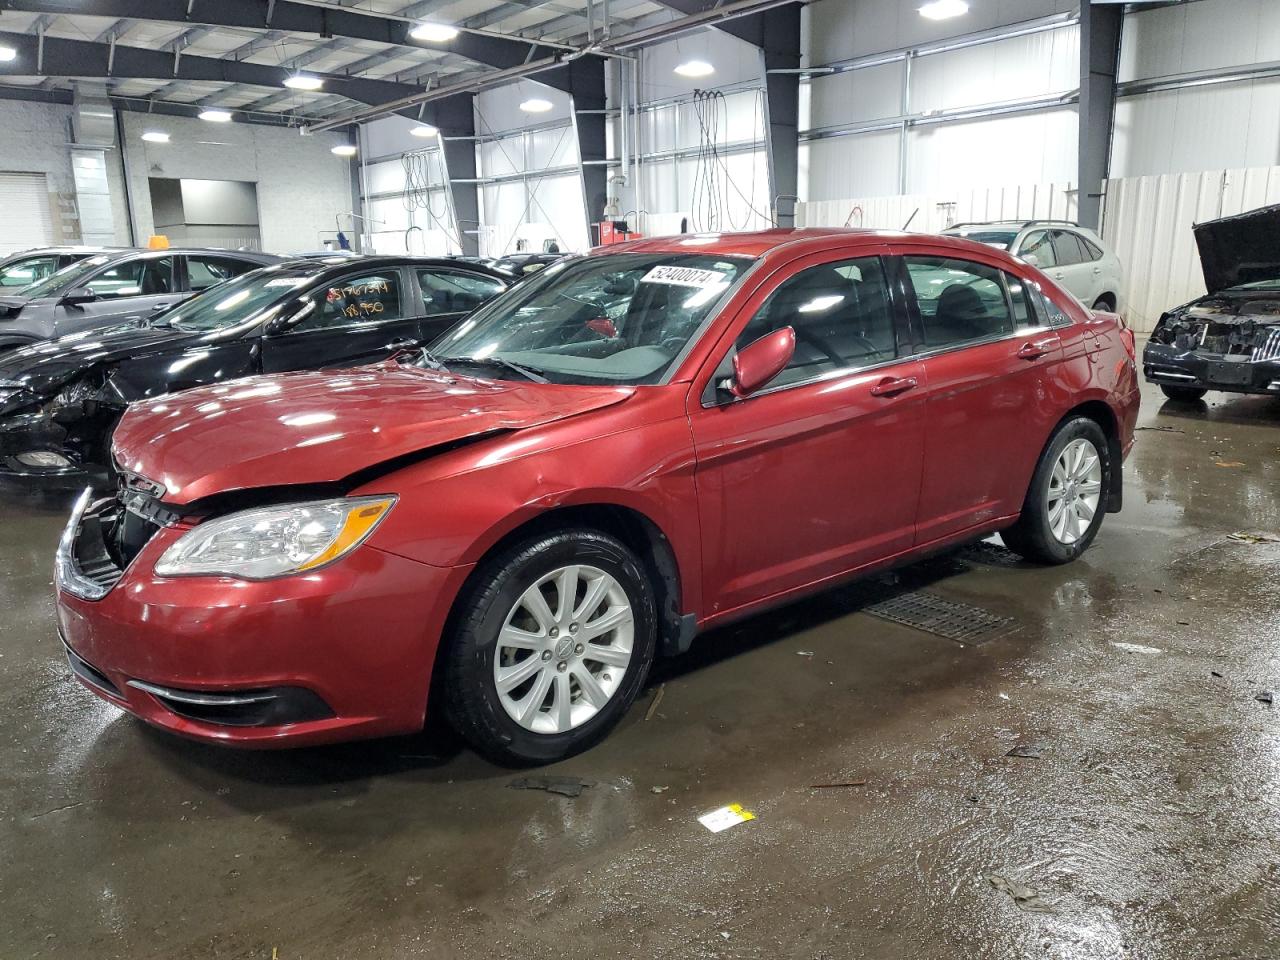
626 449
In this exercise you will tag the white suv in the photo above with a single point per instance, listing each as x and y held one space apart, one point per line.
1072 255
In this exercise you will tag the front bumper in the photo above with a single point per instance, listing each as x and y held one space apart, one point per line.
1167 365
33 433
342 652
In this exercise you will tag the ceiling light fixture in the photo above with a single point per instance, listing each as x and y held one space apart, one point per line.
434 32
944 9
7 54
344 150
215 116
423 130
695 68
155 136
536 105
303 81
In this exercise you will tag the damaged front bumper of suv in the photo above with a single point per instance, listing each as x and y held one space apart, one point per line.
1199 351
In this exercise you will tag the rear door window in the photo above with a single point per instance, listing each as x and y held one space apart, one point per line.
960 301
205 272
453 291
1069 248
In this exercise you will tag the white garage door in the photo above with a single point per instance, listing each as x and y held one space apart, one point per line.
25 217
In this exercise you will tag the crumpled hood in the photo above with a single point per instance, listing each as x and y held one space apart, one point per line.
46 365
324 426
1240 249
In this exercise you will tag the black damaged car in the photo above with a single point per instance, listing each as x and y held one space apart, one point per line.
60 400
1228 340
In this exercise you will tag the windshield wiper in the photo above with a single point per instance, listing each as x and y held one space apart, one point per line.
529 373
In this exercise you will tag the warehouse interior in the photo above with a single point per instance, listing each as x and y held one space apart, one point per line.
1092 773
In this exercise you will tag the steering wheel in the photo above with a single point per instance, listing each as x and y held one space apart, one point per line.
820 342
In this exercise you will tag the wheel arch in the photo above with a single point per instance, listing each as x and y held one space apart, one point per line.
1101 413
633 527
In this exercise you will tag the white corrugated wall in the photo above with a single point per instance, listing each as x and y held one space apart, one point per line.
930 213
1148 221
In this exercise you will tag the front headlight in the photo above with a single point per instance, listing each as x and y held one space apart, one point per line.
275 541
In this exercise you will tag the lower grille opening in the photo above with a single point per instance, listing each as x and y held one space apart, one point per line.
91 674
268 707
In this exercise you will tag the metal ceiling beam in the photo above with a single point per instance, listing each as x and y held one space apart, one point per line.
85 58
749 27
491 50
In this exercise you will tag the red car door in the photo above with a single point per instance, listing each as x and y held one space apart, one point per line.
818 472
988 359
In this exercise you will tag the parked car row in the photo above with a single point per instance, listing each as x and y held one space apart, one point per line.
60 399
572 480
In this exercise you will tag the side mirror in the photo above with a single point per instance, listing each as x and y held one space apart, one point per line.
759 362
78 295
1030 258
283 324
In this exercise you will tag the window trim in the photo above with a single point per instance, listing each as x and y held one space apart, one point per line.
711 396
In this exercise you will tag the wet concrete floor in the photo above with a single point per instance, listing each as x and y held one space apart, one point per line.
1147 826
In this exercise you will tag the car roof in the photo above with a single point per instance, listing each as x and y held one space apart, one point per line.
320 265
760 242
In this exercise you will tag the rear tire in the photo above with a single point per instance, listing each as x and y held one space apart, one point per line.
1067 498
1183 394
1104 303
529 677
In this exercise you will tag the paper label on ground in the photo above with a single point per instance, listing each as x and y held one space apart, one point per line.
683 276
725 817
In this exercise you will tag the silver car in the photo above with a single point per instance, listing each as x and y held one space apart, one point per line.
1072 255
115 287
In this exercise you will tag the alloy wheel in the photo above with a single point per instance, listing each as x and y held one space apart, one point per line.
564 649
1075 490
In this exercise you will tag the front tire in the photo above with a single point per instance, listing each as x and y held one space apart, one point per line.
553 641
1183 394
1066 501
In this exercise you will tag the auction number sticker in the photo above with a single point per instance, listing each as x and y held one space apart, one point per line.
683 276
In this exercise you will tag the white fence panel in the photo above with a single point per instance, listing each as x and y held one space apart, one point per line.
1148 221
930 213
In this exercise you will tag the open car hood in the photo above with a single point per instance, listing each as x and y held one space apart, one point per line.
325 426
1240 249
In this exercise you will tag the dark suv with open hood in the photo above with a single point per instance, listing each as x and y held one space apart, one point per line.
1229 339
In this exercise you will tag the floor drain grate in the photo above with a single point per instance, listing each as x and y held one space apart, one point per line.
961 622
992 555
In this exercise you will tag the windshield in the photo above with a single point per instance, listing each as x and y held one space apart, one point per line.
1000 239
249 297
64 279
619 318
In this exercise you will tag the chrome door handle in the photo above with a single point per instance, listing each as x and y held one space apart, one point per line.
402 344
892 386
1034 350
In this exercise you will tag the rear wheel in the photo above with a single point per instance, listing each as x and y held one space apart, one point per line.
553 644
1104 303
1066 500
1183 394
